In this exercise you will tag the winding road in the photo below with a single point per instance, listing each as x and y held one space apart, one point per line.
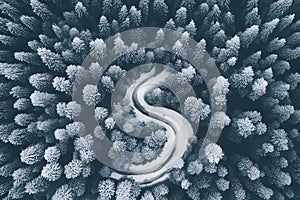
178 131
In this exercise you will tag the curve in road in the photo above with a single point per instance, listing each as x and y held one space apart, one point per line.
178 130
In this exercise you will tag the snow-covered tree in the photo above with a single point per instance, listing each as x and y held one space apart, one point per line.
41 10
98 49
64 192
52 60
104 27
195 167
258 88
196 109
73 169
110 123
106 189
219 91
36 185
80 9
61 84
214 153
32 154
135 17
249 35
267 28
116 72
180 17
108 84
91 96
144 7
278 8
160 8
127 190
52 154
51 171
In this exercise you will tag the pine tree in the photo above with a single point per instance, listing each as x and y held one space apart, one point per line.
9 10
43 99
247 168
18 137
147 196
127 190
22 104
119 47
276 44
110 123
196 109
278 8
259 189
41 81
41 10
17 29
123 13
91 96
144 8
73 169
252 59
219 120
98 49
195 167
258 88
15 72
80 9
252 18
23 119
75 129
36 185
31 22
160 8
181 16
278 177
106 189
51 171
290 54
115 72
64 192
30 58
135 17
214 153
111 7
279 90
52 60
79 46
170 24
61 84
249 35
285 22
293 80
222 184
267 28
104 27
191 28
52 154
279 139
219 91
8 40
243 79
220 38
32 154
108 84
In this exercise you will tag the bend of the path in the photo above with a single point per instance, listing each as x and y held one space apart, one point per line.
178 132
